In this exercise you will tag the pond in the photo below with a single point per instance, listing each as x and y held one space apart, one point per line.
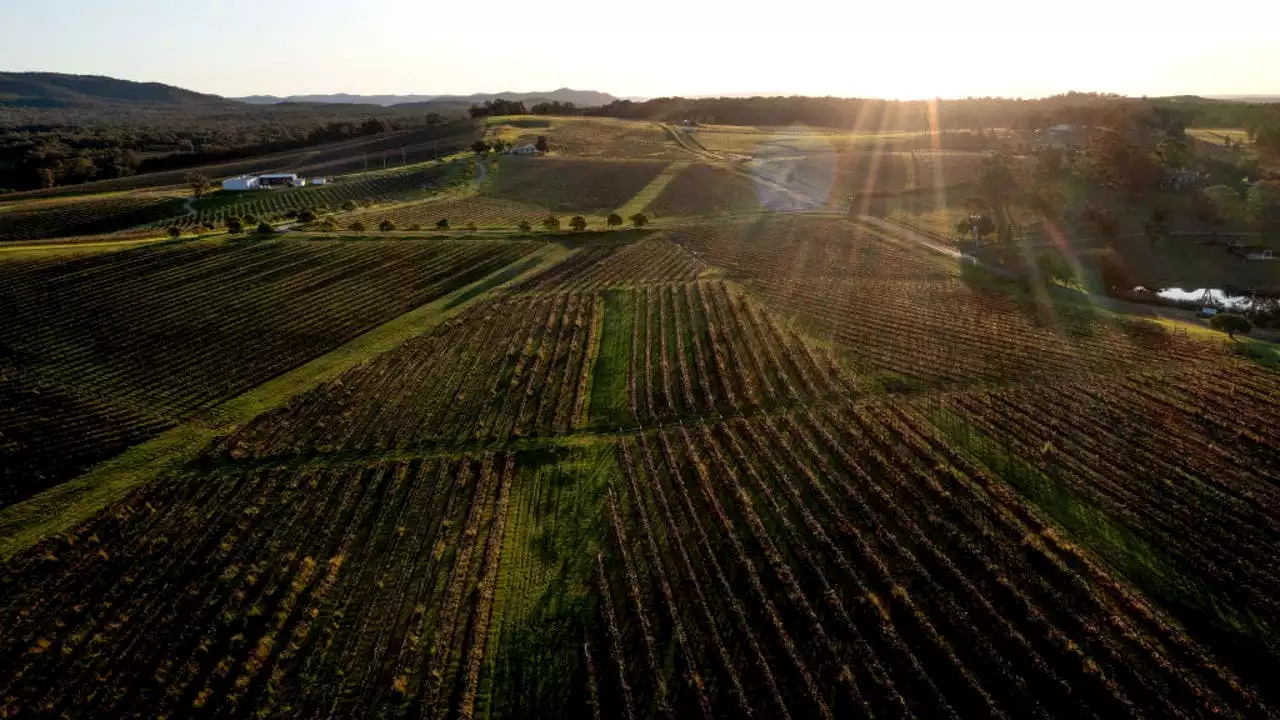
1207 296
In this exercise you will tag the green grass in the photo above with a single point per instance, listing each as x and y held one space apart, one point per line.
67 505
651 191
499 278
610 406
545 602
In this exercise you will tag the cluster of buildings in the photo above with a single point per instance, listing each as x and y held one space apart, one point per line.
267 181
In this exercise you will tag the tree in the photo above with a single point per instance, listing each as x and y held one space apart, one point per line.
1264 205
542 146
1157 226
525 227
498 146
265 228
979 226
356 226
1049 201
480 147
234 224
386 225
471 227
1173 152
307 216
578 223
1113 273
329 225
997 178
174 231
1103 220
639 220
551 222
199 184
349 205
1230 323
1049 161
1218 205
442 224
614 220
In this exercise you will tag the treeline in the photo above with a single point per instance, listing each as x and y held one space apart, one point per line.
967 114
499 106
52 148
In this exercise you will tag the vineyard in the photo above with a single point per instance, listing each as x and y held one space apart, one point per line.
82 217
611 263
371 188
917 324
101 350
1212 460
507 369
831 177
522 367
702 189
585 186
589 137
478 210
765 464
392 586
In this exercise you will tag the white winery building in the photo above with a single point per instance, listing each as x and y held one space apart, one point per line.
267 181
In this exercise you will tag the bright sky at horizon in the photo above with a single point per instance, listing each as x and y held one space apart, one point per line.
927 48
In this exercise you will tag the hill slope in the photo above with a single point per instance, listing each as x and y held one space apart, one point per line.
56 90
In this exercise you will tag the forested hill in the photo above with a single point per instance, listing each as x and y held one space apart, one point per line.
56 90
580 98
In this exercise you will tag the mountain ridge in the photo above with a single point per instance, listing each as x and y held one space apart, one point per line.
61 90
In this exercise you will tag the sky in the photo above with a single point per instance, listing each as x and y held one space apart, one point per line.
918 49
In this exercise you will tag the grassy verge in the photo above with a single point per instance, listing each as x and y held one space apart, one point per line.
609 405
65 506
545 602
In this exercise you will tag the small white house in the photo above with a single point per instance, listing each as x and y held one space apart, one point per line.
317 181
243 182
529 149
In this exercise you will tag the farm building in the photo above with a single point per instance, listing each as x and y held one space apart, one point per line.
317 181
264 182
271 180
243 182
529 149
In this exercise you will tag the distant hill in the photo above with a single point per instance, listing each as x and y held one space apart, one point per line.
1249 98
581 98
56 90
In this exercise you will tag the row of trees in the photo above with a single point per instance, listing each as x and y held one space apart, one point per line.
976 114
499 106
551 223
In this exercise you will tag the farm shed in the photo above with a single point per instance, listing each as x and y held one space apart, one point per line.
243 182
269 180
529 149
317 181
